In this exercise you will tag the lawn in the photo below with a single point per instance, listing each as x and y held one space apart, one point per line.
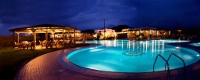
12 60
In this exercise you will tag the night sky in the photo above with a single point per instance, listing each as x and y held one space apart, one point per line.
89 14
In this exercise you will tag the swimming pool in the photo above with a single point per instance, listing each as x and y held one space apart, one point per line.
131 56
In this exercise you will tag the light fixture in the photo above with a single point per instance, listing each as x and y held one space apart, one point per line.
177 47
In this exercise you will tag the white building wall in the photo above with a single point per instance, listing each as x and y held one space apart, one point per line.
108 32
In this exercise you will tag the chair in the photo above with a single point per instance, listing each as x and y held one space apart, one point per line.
30 45
60 42
40 42
43 43
54 43
18 45
70 42
66 43
23 45
49 44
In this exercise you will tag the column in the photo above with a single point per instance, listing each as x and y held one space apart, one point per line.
74 36
85 36
67 34
53 34
63 34
13 35
46 37
18 37
34 40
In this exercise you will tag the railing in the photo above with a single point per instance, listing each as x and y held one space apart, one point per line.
181 60
168 67
167 64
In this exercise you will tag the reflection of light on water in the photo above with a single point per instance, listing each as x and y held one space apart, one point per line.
195 44
159 68
197 54
115 43
128 44
95 50
133 46
161 40
108 43
100 67
172 41
177 47
146 46
163 47
91 48
152 46
159 46
187 57
122 44
143 47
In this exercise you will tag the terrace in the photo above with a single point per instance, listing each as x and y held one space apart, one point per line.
60 36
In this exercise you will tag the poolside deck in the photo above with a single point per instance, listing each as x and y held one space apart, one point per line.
38 47
47 67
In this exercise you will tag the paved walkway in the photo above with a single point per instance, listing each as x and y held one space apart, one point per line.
47 67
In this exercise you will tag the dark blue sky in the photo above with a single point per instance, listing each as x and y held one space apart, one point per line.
89 14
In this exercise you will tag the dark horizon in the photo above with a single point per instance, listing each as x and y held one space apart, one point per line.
89 14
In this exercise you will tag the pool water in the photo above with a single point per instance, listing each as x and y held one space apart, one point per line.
196 44
131 56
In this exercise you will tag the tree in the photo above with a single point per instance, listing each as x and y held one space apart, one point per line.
90 31
120 27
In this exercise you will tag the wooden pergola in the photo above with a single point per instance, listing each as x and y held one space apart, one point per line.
43 28
149 31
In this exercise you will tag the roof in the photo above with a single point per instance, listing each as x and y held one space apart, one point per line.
143 28
43 28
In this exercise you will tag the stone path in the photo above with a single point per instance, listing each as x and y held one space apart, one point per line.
47 67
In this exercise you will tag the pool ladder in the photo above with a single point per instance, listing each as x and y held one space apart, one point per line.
167 64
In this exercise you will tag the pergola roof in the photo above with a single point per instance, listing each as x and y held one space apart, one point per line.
43 28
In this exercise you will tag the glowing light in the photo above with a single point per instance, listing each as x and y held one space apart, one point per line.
96 50
100 67
177 47
114 43
91 48
197 54
187 57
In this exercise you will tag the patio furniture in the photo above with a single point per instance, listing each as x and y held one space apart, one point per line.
54 43
66 43
49 44
43 43
24 44
17 44
30 45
